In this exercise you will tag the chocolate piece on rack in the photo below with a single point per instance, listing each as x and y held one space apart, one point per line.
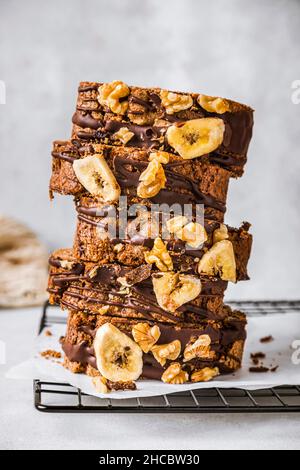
116 114
222 344
187 182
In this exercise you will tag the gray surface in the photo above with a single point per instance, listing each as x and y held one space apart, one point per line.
24 428
244 50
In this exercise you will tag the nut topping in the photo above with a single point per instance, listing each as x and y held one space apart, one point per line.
204 375
220 233
160 256
200 348
173 289
193 233
110 95
213 104
152 180
174 102
175 375
145 335
164 352
124 135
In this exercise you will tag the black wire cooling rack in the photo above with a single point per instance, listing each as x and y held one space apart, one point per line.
53 397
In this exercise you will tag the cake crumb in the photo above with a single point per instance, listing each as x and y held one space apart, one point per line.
50 353
48 333
267 339
256 357
261 369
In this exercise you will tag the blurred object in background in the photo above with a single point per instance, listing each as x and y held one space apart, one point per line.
23 265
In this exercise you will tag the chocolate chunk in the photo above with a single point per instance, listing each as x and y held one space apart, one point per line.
259 369
138 274
267 339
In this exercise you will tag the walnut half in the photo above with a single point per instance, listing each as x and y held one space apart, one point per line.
174 374
145 335
173 289
110 95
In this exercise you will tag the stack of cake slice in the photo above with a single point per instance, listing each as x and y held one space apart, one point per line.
145 280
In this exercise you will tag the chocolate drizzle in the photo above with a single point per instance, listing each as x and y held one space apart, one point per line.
128 171
84 354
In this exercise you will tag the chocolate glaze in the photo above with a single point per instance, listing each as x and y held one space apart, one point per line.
152 369
128 172
238 129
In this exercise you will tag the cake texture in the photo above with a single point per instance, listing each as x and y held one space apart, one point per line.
118 114
187 182
144 282
213 345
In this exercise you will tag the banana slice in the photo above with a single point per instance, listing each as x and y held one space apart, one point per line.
219 259
119 358
97 178
196 137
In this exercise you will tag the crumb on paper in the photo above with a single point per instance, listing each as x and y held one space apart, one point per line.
257 357
274 369
50 353
267 339
260 369
48 333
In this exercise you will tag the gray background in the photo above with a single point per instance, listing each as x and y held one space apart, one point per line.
248 51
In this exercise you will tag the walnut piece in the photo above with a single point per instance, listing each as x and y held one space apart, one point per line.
204 375
161 157
164 352
173 289
176 223
175 375
99 383
145 335
152 180
213 104
174 102
124 135
193 233
110 95
200 348
160 256
68 265
220 234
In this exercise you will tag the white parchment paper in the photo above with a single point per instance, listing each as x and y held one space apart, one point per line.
283 352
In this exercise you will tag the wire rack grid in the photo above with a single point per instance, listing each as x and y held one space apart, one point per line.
53 397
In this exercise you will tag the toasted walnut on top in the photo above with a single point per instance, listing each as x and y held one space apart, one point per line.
213 104
124 135
145 335
174 102
165 352
152 180
112 94
174 374
199 348
160 256
193 233
204 375
173 289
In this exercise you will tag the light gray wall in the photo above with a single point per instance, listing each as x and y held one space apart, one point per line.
245 50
